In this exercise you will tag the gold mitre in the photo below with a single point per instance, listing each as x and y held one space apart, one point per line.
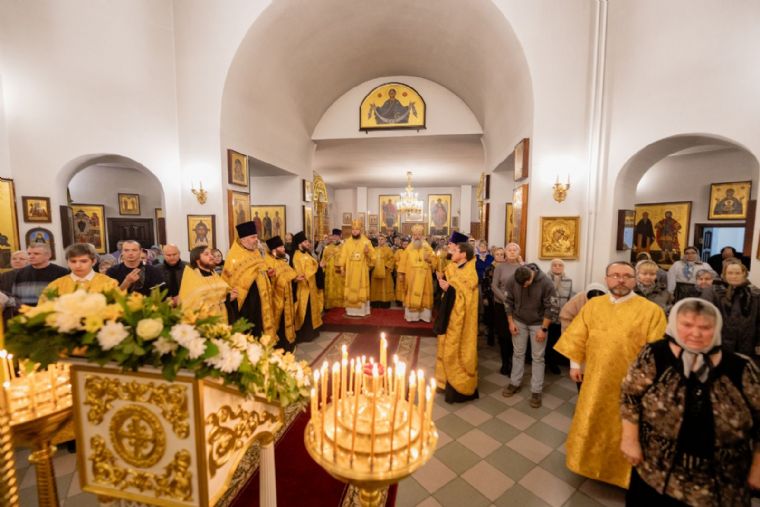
357 224
418 229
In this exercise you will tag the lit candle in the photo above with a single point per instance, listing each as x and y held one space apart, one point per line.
13 368
314 403
421 401
351 385
383 351
358 374
393 413
431 403
343 387
323 392
335 395
389 382
410 413
423 421
375 380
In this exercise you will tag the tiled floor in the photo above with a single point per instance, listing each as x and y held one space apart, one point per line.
493 451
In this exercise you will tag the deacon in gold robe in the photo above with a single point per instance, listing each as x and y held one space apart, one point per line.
246 271
416 271
81 257
381 284
357 256
456 367
282 293
334 280
202 289
601 342
308 299
398 259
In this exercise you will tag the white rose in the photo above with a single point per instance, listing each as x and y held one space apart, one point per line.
147 329
164 346
112 334
196 346
227 360
184 334
92 303
70 303
67 322
254 352
239 341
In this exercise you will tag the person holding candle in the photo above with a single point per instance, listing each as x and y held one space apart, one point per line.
308 300
282 293
81 258
357 256
416 270
456 368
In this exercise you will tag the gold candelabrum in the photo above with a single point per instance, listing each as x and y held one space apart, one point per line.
560 190
35 405
199 193
377 428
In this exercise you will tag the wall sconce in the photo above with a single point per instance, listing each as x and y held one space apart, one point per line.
560 189
199 193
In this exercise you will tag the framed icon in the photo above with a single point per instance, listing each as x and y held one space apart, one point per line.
36 209
270 220
39 235
89 225
559 238
237 169
239 211
729 200
129 204
201 231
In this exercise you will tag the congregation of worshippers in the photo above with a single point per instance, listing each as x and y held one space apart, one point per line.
664 360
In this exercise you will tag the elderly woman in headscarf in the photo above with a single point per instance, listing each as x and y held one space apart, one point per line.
739 304
691 416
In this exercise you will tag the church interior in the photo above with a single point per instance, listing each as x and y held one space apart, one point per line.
585 130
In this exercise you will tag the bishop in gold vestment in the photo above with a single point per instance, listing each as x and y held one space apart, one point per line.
416 270
246 271
606 336
282 293
381 284
334 281
357 255
308 299
456 367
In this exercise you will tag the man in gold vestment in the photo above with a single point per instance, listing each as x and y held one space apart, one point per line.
81 258
601 342
334 280
246 271
398 259
357 255
202 289
282 293
456 366
381 285
416 270
308 298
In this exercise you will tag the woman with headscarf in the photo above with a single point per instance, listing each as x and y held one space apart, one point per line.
691 416
739 304
563 284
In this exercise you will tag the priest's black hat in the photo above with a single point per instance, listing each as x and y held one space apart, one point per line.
457 237
274 242
246 229
337 232
299 238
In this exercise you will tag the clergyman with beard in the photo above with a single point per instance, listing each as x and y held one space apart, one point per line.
282 275
601 342
246 271
308 301
357 256
202 289
416 270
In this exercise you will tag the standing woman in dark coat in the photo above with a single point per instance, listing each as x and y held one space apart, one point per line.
739 304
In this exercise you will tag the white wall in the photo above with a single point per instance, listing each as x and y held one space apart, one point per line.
280 190
446 113
688 178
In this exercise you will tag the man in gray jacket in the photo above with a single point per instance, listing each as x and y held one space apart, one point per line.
529 312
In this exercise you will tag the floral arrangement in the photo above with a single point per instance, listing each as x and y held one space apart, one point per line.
136 330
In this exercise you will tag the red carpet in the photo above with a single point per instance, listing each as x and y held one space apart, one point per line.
300 481
390 321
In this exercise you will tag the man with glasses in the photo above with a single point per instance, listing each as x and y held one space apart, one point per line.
601 342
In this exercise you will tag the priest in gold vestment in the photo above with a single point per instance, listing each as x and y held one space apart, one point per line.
282 293
202 289
398 259
416 270
456 325
334 280
81 258
357 256
601 342
308 296
381 283
246 271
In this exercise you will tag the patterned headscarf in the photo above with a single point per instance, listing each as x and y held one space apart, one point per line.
695 360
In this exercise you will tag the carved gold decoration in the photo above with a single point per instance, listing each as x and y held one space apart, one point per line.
9 490
171 399
137 436
224 440
176 482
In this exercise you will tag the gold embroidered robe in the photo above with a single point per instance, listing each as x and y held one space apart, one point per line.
381 285
417 266
334 282
400 284
242 268
67 285
457 354
606 338
306 265
282 295
356 264
206 294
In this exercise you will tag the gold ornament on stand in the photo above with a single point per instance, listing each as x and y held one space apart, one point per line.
38 406
377 428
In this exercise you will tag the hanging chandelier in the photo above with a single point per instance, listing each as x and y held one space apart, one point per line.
409 202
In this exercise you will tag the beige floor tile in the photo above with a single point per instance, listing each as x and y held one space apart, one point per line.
410 493
488 480
443 439
479 442
605 494
497 378
511 401
429 502
74 487
529 447
434 475
550 401
459 493
64 465
558 421
439 411
518 419
547 487
472 414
